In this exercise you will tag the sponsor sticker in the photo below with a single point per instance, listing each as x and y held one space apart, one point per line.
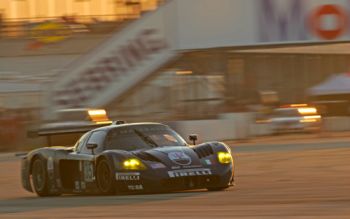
50 164
189 172
128 176
135 187
83 185
88 171
180 158
207 161
157 165
77 185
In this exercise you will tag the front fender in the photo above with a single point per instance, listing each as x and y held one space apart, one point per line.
114 157
220 147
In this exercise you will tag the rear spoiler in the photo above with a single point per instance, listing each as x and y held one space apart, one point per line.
65 128
62 128
68 130
21 154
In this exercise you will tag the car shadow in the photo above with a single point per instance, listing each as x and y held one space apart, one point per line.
27 204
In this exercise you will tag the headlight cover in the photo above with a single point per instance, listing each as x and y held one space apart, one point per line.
133 164
224 157
315 118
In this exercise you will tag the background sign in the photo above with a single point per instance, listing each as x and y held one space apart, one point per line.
133 54
117 65
224 23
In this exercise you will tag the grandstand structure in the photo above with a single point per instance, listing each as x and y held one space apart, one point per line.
156 60
24 59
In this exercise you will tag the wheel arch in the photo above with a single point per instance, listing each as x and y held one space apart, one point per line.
112 157
108 158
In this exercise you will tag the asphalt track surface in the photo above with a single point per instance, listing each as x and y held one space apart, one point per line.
300 179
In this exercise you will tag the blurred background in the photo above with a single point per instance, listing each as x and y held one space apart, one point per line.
245 66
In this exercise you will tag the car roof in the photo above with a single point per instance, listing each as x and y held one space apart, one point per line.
109 127
73 110
286 109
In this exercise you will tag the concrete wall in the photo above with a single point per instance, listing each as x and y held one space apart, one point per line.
228 127
336 124
241 126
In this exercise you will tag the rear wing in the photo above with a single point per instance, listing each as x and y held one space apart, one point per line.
50 130
59 129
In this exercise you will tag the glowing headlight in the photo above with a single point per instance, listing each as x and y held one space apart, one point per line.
133 164
307 110
224 157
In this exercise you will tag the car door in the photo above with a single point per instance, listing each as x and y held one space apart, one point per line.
85 158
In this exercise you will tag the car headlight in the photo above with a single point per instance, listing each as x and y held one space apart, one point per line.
224 157
315 118
133 164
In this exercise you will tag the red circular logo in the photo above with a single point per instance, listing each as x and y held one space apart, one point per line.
333 12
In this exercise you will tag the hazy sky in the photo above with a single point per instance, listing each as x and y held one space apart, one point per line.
54 8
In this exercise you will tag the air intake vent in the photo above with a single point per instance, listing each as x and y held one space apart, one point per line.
203 151
146 156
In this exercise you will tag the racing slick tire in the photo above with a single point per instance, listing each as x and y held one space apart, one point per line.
40 178
104 177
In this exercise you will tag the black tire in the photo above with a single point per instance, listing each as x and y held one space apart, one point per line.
105 178
40 177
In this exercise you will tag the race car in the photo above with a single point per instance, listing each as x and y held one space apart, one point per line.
128 158
296 118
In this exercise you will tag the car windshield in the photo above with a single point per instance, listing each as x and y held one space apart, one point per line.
142 137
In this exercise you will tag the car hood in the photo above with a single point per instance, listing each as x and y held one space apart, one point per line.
171 156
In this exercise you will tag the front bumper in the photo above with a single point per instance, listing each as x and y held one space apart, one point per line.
165 180
297 127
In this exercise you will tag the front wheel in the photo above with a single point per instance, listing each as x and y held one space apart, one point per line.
104 176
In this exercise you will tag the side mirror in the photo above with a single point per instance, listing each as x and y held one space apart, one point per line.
118 122
193 138
91 147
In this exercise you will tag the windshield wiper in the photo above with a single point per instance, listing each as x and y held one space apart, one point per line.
146 138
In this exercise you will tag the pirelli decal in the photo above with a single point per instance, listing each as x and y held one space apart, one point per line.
127 176
189 172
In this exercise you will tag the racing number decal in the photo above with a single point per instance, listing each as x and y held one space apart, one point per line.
88 171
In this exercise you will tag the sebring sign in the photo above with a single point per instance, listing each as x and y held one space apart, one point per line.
227 23
133 54
120 63
300 20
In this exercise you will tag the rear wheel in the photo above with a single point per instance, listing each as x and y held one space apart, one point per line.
40 178
105 180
